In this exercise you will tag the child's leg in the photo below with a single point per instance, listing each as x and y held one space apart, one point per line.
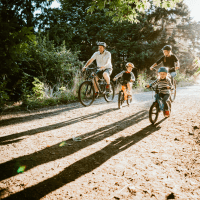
165 99
129 85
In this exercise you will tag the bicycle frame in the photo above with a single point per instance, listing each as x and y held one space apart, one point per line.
123 88
96 82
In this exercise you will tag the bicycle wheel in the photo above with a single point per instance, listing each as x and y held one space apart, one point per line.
153 112
173 92
120 99
110 96
86 93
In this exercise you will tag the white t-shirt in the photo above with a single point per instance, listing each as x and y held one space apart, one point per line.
103 60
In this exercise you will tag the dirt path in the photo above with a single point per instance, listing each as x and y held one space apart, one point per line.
119 154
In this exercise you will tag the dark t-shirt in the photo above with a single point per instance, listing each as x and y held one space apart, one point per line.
168 62
126 77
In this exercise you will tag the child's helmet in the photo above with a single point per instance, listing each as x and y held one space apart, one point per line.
167 47
130 65
101 44
163 69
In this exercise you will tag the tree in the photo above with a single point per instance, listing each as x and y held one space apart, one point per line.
129 10
17 24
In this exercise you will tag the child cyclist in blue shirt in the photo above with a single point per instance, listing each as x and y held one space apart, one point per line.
127 77
163 82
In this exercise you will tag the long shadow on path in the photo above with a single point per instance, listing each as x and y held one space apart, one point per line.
9 169
31 117
9 139
83 166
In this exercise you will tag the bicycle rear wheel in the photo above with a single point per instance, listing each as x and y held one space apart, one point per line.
86 93
120 99
173 92
153 112
110 96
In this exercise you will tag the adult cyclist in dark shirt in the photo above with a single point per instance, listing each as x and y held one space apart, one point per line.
169 60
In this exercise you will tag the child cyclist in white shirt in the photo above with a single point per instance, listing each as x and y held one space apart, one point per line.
164 84
127 77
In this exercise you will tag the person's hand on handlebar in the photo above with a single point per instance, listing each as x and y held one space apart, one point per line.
147 86
84 68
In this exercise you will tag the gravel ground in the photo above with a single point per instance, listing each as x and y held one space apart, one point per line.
101 152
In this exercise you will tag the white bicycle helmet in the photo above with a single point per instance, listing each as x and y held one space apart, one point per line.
129 64
101 44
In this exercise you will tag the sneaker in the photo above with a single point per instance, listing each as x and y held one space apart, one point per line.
108 88
167 113
96 94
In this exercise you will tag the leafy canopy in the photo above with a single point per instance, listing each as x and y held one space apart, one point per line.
128 9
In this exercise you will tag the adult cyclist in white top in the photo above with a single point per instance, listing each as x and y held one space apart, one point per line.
104 65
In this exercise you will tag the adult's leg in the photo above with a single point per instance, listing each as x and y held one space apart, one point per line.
173 74
106 76
95 86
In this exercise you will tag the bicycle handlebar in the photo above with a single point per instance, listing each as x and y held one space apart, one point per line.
89 68
163 88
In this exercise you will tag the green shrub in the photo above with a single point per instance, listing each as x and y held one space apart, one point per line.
53 66
142 80
38 88
3 94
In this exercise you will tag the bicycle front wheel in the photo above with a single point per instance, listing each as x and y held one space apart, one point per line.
153 112
173 92
120 99
110 96
86 93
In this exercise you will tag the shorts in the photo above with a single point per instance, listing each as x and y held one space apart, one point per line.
100 72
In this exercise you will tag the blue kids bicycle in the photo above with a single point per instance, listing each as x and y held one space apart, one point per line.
157 106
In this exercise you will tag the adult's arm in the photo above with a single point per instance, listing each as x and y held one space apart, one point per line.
157 63
176 62
89 61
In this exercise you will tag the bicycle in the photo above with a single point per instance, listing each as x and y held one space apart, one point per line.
157 106
123 96
86 93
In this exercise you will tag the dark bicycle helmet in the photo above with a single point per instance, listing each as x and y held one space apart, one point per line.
101 44
163 69
167 47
